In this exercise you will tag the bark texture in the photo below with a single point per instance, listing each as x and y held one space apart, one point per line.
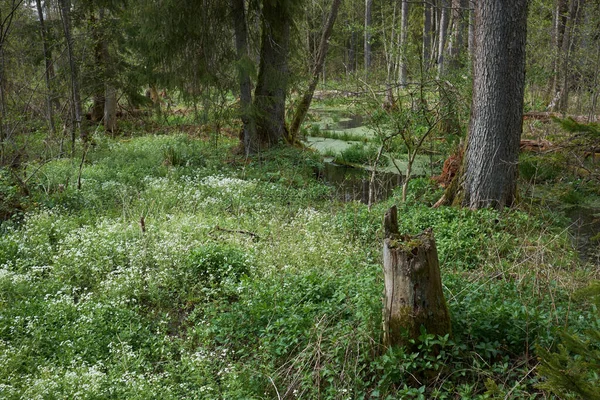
403 41
367 44
427 34
413 286
491 157
271 88
471 33
443 32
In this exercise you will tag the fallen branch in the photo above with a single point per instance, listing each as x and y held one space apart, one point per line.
240 231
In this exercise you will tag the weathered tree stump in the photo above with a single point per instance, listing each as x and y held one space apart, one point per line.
413 286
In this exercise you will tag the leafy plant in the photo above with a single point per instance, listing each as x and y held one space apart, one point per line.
573 370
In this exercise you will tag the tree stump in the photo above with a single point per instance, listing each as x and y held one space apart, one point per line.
413 286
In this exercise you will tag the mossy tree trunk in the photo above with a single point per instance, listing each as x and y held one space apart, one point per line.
413 286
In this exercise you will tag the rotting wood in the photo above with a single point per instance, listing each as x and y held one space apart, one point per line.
413 286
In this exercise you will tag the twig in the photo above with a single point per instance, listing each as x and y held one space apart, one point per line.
276 391
240 231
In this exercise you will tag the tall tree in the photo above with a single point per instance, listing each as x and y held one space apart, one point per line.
427 33
273 73
367 41
455 43
442 33
471 29
567 46
489 170
403 42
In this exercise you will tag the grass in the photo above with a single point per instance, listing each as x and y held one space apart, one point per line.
315 131
180 271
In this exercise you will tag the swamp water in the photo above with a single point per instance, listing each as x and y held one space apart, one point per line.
352 183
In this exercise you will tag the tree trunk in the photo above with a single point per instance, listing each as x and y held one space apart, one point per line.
271 88
368 8
241 45
489 171
471 34
65 8
392 58
427 34
48 65
352 52
304 105
403 38
443 31
455 43
414 297
568 43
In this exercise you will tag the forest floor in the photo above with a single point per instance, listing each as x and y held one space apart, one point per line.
180 270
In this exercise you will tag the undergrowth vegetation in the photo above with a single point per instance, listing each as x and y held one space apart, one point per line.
180 271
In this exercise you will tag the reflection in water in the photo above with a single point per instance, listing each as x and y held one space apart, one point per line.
353 121
352 184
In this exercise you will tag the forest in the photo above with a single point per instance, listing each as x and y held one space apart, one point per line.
299 199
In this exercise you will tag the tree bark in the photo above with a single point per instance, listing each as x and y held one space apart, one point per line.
352 52
443 31
427 34
238 11
471 34
403 38
367 45
304 105
48 66
271 88
558 30
414 297
489 171
455 43
568 43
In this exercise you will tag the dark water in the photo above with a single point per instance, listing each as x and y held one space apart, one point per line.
585 229
352 184
354 121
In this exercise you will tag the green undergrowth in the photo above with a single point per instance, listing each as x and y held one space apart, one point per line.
181 271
